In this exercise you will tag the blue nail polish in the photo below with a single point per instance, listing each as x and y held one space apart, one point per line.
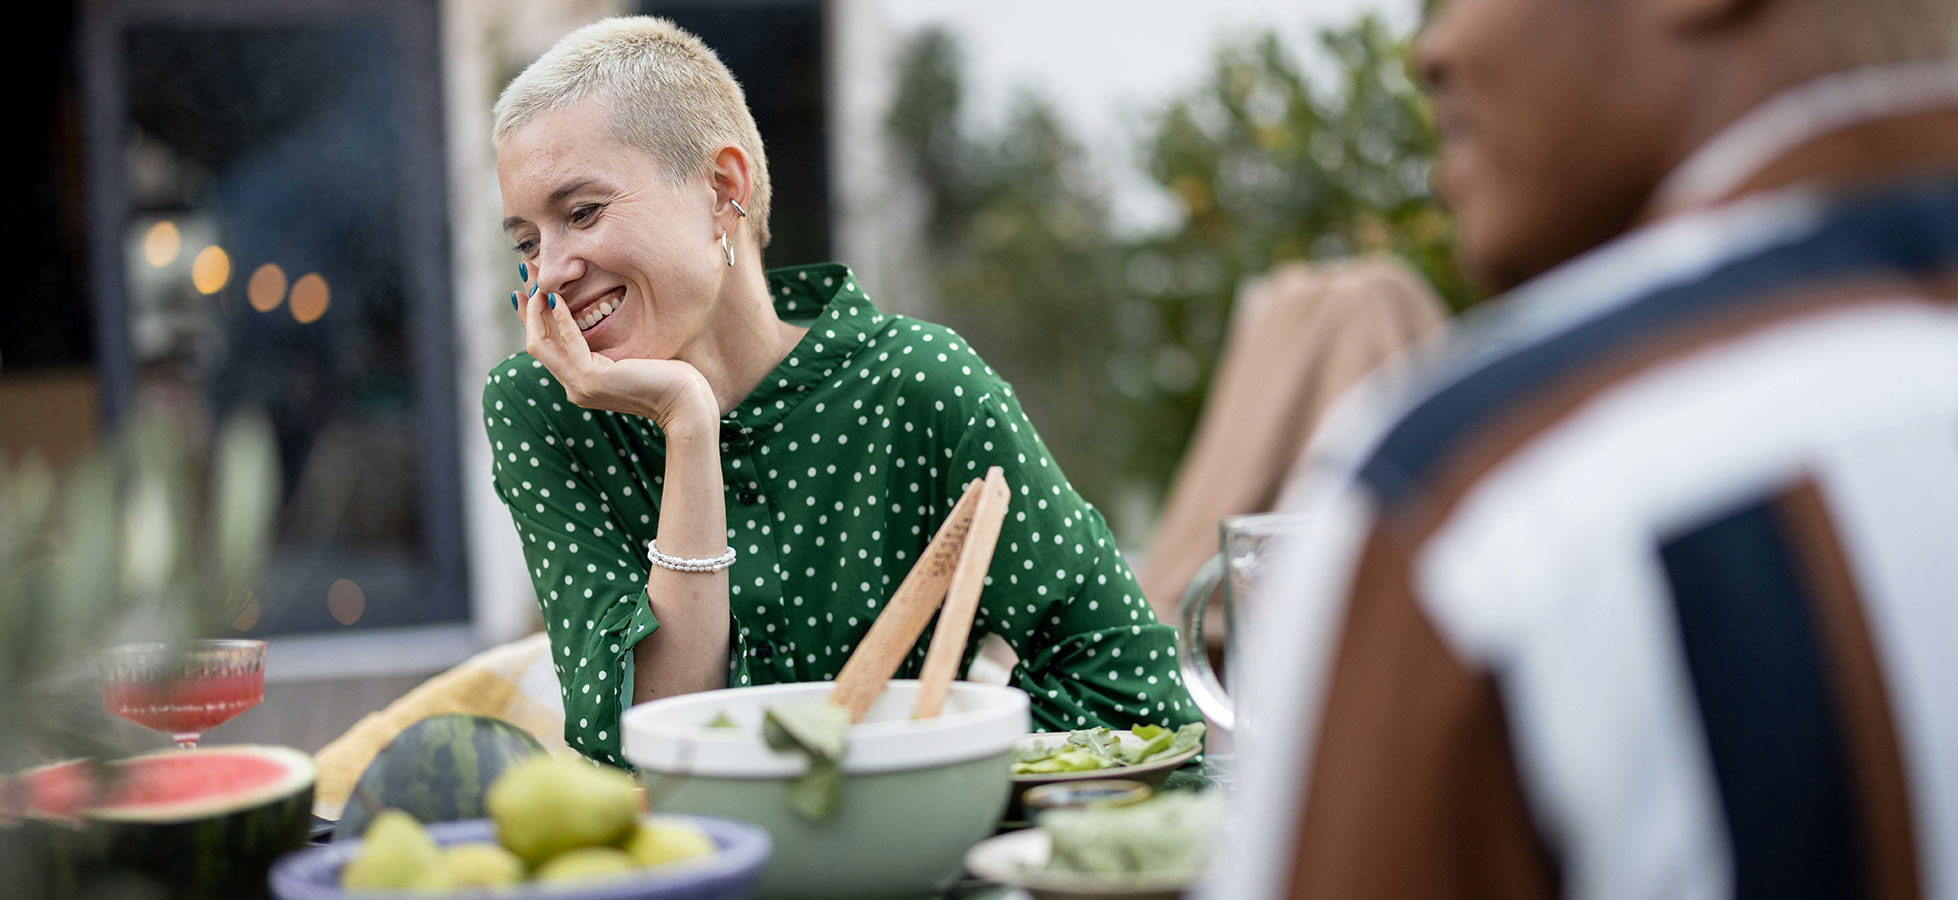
523 272
551 299
515 300
534 287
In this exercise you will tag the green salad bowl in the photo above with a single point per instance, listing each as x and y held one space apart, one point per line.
917 793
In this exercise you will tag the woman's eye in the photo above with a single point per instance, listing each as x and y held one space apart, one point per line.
525 248
583 214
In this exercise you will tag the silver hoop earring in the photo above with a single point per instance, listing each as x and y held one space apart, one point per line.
726 251
737 207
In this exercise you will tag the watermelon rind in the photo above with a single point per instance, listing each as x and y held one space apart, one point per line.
438 770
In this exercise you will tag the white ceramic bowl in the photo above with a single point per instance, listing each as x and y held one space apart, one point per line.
917 793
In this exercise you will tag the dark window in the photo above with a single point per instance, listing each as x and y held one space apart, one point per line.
775 48
269 228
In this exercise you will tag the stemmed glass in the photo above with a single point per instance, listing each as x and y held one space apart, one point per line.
183 689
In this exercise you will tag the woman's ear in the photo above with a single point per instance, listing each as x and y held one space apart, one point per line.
730 174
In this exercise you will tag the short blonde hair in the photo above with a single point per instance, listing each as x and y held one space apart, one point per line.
669 95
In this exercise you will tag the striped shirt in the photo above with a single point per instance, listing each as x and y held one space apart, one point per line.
1650 589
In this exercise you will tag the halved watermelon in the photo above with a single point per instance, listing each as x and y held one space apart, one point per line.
437 770
195 823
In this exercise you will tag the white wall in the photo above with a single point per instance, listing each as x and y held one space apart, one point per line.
484 43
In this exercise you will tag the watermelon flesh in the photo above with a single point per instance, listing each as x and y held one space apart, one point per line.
194 823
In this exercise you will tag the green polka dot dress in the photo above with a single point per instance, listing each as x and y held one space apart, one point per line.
838 470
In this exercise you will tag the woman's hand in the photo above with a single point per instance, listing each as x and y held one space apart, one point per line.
670 392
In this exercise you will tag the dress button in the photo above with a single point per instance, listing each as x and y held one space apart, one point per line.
747 496
764 650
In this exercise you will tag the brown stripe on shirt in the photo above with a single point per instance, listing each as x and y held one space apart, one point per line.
1414 790
1889 847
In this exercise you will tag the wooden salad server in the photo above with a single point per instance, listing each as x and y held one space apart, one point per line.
955 562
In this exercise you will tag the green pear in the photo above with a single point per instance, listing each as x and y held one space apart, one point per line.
586 864
396 854
481 865
544 807
659 842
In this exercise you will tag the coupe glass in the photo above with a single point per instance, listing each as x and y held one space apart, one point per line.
183 689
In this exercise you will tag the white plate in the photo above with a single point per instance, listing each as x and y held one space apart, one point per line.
1019 859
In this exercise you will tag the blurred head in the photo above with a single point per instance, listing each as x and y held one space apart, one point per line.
621 154
1560 118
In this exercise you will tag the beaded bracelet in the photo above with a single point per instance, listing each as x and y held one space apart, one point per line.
682 564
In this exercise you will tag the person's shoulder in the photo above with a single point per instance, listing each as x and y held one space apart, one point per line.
519 392
518 374
934 363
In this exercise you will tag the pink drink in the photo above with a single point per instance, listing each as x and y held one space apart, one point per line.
183 690
193 705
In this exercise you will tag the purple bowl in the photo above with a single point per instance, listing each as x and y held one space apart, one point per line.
314 874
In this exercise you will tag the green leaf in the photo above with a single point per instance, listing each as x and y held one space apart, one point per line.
1187 736
1168 834
244 496
1157 741
150 542
819 731
1099 743
818 793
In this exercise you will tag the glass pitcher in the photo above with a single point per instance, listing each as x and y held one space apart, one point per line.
1249 544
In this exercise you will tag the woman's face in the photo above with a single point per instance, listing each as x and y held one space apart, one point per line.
602 225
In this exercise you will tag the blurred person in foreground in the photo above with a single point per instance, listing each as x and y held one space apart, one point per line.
719 473
1649 588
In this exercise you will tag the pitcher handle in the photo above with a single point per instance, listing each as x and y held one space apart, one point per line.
1193 657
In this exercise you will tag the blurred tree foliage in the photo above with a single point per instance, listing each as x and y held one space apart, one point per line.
1112 338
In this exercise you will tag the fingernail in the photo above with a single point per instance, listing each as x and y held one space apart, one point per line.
551 299
523 272
534 287
515 300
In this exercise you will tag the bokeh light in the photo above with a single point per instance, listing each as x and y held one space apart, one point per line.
162 244
267 287
211 270
346 601
310 298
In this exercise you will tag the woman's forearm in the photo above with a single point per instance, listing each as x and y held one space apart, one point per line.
688 652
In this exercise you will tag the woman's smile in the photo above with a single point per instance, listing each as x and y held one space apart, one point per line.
598 312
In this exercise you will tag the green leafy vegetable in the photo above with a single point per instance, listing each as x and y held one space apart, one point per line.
1169 834
819 731
721 720
1157 740
1099 748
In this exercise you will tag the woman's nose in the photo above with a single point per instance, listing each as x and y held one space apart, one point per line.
554 268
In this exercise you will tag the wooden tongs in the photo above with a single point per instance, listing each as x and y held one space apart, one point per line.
950 572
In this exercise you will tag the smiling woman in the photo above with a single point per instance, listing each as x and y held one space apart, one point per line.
791 448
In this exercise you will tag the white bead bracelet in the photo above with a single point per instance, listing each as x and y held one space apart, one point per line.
682 564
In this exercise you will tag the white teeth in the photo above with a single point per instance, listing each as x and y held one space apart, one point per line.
595 315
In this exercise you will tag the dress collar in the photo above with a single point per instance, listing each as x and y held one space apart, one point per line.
841 320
